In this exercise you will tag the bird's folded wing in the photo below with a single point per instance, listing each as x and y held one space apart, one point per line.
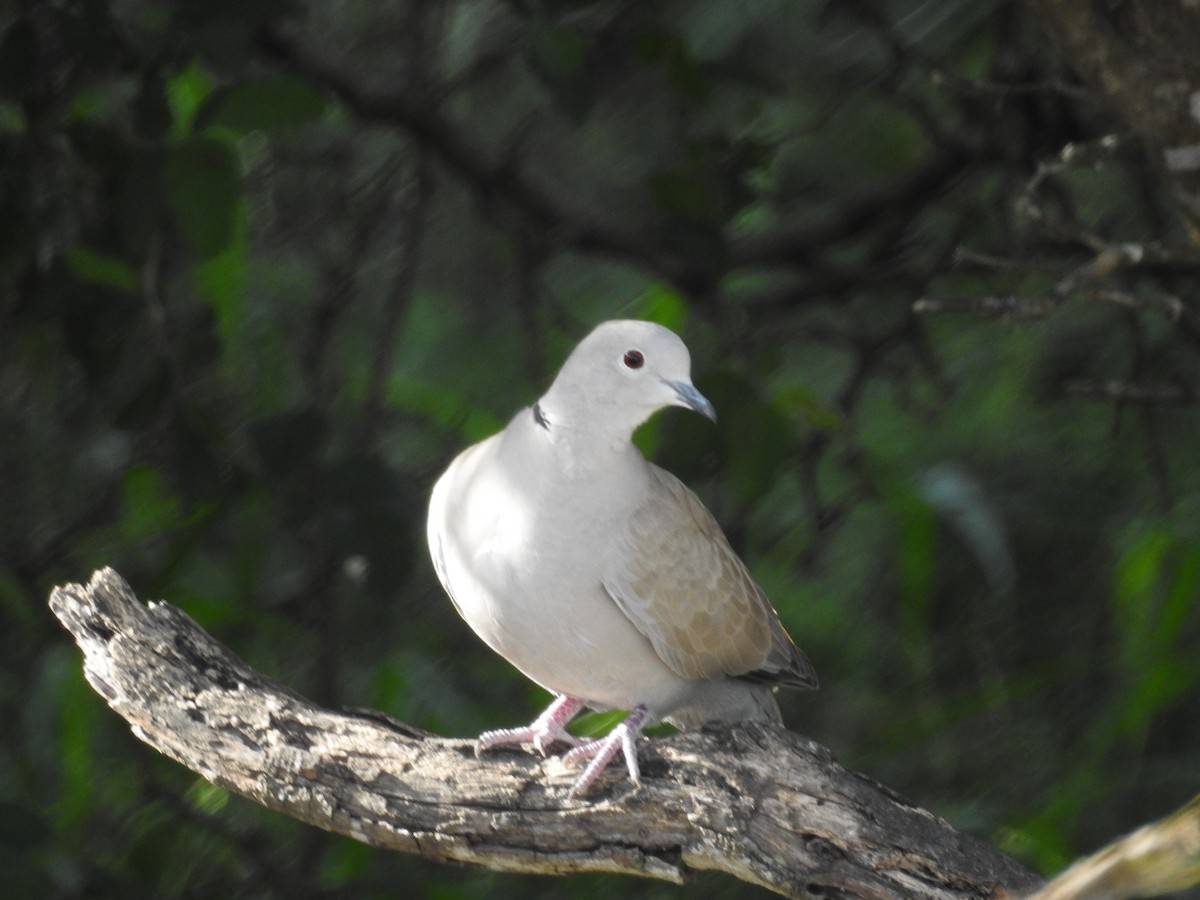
680 583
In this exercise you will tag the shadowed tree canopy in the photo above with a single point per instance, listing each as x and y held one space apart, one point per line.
266 266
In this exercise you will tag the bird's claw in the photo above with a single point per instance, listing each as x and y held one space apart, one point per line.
546 729
537 734
550 728
601 752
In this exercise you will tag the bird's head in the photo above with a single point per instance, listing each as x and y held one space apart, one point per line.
620 375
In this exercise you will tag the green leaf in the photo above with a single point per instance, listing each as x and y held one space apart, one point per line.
560 56
207 798
185 93
557 50
150 508
446 407
78 715
92 267
803 406
757 437
204 192
1136 596
664 305
222 279
265 104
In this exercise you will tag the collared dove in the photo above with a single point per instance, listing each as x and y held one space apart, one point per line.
599 575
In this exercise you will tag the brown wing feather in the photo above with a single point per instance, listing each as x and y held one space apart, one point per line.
681 584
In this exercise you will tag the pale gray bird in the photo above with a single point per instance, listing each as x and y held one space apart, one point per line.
599 575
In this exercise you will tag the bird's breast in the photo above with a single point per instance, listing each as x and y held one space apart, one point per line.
525 559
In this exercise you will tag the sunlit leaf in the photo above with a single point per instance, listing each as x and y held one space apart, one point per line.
185 93
666 306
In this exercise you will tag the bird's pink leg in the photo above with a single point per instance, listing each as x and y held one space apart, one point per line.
602 750
547 728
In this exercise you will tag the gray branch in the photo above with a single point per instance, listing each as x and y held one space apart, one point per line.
765 805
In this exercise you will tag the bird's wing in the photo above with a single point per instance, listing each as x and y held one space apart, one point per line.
680 583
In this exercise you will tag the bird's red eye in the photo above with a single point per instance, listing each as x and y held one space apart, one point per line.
634 359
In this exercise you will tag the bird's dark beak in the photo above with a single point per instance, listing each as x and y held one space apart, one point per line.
691 398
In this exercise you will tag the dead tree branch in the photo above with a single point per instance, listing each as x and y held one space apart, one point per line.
1156 859
765 805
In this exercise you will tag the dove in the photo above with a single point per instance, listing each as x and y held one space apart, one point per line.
599 575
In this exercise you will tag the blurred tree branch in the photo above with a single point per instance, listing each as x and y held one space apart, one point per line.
764 805
1157 859
1144 57
493 179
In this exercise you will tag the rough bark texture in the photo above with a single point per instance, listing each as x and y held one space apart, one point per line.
763 804
1153 860
1144 56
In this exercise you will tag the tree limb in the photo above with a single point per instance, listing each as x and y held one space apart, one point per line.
1156 859
1142 55
755 801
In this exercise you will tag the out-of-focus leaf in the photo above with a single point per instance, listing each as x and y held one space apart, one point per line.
185 93
264 104
447 407
804 407
756 438
207 797
680 194
222 278
556 49
149 509
560 54
1151 601
915 565
102 268
1136 597
1182 593
663 304
597 724
204 192
660 47
78 711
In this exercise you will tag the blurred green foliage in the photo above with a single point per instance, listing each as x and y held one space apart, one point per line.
266 266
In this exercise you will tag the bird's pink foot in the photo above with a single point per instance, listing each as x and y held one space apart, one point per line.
602 750
547 728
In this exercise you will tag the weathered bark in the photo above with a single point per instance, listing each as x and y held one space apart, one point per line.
763 804
1153 860
1144 57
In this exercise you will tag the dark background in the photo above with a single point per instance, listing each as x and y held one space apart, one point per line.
266 266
